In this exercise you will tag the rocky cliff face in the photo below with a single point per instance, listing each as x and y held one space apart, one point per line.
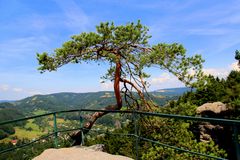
220 134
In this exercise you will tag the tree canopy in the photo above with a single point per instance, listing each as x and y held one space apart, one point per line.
128 52
126 48
237 56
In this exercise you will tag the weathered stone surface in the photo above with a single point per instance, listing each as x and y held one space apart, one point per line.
79 153
96 147
216 107
209 131
220 134
205 137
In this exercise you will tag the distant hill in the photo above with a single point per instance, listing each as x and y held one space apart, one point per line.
1 101
6 105
173 91
63 101
91 100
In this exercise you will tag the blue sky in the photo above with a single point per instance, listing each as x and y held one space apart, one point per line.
210 28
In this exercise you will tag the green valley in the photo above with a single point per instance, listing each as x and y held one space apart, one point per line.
40 104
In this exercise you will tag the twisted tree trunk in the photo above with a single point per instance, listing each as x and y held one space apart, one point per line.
117 84
77 136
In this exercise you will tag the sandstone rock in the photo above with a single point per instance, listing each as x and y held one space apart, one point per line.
78 153
205 137
97 147
216 107
219 133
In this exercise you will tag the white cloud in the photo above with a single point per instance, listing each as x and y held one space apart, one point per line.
17 92
221 72
4 87
165 80
217 72
235 66
106 85
17 89
34 92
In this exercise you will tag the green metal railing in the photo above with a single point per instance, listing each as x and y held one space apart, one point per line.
235 124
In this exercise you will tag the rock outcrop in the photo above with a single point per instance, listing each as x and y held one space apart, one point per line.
79 153
220 134
216 107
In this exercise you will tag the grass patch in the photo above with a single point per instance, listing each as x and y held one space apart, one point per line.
39 111
32 125
5 140
29 131
59 121
21 133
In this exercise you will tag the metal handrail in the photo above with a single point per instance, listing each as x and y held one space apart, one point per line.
234 123
201 119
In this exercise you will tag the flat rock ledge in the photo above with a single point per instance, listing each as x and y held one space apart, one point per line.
216 107
78 153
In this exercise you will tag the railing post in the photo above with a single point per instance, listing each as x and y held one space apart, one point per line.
81 126
55 130
135 118
236 141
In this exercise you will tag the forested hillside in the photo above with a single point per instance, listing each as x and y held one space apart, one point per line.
39 104
92 100
223 90
9 114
